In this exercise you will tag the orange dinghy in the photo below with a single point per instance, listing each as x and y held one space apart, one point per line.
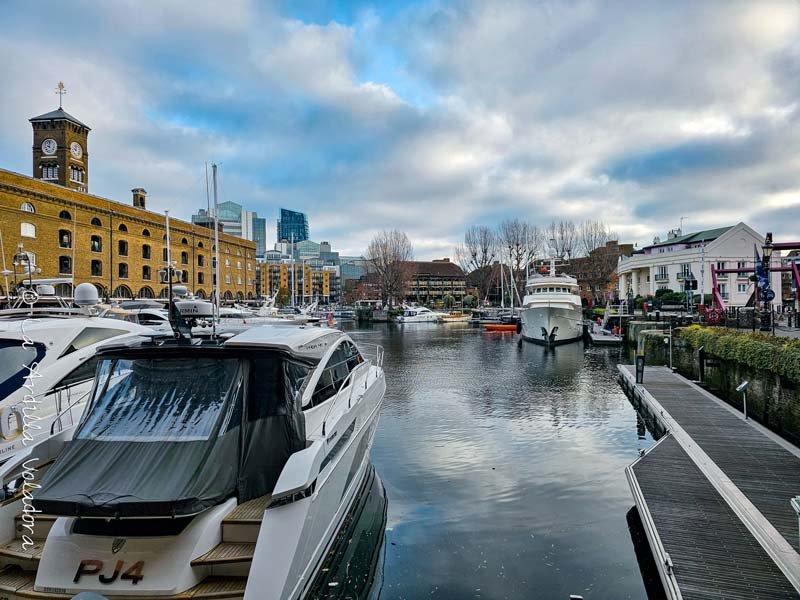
500 327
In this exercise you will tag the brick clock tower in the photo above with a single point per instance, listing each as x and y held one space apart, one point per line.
59 148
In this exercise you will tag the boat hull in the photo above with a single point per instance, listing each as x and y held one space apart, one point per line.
569 322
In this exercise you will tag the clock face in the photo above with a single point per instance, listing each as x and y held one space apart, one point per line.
76 150
49 146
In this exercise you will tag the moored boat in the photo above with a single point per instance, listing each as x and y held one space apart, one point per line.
206 466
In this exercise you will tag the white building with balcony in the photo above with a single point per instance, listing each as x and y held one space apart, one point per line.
668 264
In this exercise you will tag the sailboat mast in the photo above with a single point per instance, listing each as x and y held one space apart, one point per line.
215 270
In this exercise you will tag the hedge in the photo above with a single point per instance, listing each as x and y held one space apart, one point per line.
777 354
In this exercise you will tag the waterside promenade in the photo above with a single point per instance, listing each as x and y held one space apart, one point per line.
714 494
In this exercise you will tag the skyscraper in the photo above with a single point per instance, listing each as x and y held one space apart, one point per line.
292 223
238 221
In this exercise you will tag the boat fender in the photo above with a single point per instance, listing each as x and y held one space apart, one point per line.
519 326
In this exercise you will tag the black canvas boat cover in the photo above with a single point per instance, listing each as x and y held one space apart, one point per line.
174 436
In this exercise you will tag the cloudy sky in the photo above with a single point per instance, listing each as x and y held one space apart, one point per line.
426 116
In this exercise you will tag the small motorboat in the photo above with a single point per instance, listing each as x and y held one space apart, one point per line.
500 327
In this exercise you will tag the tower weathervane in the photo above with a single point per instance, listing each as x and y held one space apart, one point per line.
60 90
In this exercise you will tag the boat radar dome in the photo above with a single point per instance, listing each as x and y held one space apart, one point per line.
180 291
86 295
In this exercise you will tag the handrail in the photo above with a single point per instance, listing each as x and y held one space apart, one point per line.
349 379
69 408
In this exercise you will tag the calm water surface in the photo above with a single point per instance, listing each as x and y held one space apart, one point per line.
503 466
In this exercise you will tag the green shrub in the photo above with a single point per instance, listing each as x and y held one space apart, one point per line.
776 354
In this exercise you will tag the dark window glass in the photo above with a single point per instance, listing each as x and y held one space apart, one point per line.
123 270
64 265
123 248
64 215
184 258
145 251
64 238
123 227
96 222
97 268
332 377
15 358
97 243
146 272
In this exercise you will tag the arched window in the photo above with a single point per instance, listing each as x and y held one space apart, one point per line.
27 230
65 215
146 252
146 272
123 270
199 244
146 292
164 237
27 207
184 258
123 291
227 250
97 243
146 232
201 294
96 222
123 227
64 238
122 247
64 265
184 241
200 260
184 276
201 278
164 254
97 268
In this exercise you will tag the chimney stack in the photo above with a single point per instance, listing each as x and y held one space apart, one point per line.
139 198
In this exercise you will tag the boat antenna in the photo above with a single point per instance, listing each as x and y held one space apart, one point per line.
215 270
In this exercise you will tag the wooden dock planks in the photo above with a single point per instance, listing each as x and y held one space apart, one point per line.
713 553
761 471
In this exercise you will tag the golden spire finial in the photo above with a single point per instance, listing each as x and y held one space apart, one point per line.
60 90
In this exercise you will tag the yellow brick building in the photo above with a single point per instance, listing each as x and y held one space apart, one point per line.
310 284
118 247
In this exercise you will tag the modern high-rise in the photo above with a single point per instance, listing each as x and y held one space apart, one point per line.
238 221
292 225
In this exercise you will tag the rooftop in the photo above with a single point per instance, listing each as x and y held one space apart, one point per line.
58 115
437 268
706 235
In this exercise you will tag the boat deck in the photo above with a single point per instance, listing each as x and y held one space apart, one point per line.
605 339
712 489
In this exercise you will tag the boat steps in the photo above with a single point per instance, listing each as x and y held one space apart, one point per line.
244 521
41 526
226 553
15 550
18 584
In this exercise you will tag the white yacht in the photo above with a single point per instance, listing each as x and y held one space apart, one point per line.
204 468
47 366
420 314
551 310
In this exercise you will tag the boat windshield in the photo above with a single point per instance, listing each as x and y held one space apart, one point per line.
172 399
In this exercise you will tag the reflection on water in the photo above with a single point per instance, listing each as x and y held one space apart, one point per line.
352 568
504 464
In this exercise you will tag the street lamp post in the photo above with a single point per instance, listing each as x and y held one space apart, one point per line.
766 309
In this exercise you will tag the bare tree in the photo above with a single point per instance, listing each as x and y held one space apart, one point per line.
600 262
520 243
389 255
563 237
476 256
592 235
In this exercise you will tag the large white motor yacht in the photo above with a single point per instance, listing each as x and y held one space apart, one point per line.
205 468
420 314
47 367
551 310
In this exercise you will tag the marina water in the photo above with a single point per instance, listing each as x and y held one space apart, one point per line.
503 468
